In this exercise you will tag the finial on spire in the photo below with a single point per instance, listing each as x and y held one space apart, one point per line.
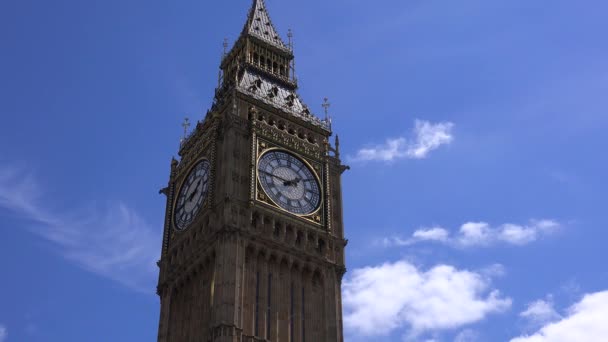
326 106
290 37
225 47
186 125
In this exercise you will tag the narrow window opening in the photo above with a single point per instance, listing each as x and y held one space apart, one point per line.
303 317
321 246
269 310
257 304
291 314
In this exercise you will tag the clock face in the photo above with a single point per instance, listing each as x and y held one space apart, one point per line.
289 182
192 195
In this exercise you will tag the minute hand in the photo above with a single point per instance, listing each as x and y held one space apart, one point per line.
275 176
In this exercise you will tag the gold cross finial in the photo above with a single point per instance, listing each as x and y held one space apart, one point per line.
326 105
186 125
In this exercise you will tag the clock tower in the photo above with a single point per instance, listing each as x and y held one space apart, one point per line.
253 244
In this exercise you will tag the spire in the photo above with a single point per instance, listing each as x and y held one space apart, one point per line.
260 65
260 26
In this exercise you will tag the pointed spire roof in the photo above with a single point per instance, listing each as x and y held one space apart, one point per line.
260 26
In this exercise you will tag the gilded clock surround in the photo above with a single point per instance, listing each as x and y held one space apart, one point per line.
316 169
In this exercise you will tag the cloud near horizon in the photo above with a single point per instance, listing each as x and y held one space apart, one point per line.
111 241
586 321
427 137
480 234
384 298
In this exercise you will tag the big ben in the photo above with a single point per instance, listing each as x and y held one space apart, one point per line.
253 243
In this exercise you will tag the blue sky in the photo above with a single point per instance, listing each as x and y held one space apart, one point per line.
475 208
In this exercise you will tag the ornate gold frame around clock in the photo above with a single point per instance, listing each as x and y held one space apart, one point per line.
260 194
181 185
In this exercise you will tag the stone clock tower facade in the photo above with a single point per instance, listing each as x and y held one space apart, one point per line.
253 244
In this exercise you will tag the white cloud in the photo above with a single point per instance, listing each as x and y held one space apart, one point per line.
467 335
433 234
392 149
521 235
427 137
472 234
540 312
475 233
494 271
3 333
481 234
378 300
113 242
586 321
393 241
423 234
518 235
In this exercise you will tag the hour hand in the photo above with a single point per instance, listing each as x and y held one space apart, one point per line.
195 191
292 182
192 195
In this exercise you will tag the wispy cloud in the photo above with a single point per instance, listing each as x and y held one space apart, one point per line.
431 234
467 335
3 333
427 137
113 241
381 299
586 321
480 234
494 271
540 312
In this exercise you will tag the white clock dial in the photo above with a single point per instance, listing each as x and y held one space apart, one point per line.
192 195
289 182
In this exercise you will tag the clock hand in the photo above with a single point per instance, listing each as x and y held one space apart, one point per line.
192 195
275 176
293 182
194 192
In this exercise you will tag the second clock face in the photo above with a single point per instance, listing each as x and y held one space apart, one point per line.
289 182
192 195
